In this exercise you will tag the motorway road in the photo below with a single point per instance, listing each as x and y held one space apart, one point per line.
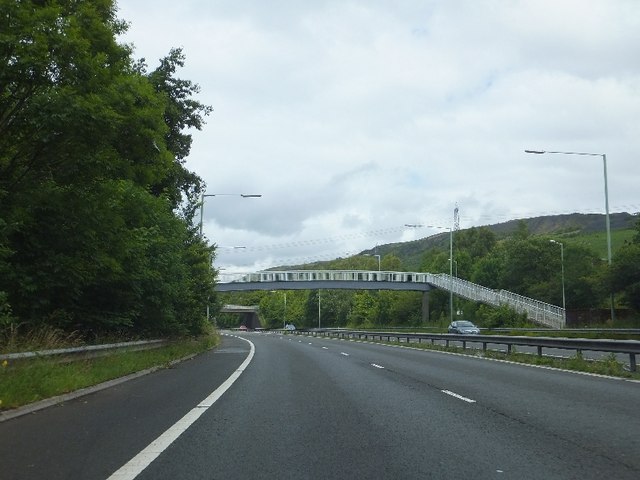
312 408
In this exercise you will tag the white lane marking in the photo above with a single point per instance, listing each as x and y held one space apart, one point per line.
142 460
376 365
310 343
459 397
325 348
345 354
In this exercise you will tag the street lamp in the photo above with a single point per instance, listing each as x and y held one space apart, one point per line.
418 225
606 200
202 197
319 310
564 305
376 255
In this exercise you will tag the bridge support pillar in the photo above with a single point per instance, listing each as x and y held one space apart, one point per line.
425 307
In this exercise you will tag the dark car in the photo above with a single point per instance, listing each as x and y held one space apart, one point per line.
464 327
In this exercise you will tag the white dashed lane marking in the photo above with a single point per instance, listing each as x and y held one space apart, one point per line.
377 366
459 397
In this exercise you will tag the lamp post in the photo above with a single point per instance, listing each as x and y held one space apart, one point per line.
606 200
376 255
451 260
202 197
564 305
319 309
451 274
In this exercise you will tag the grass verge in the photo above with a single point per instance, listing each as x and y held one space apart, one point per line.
27 381
608 366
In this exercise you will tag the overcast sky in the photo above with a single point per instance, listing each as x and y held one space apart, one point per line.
354 118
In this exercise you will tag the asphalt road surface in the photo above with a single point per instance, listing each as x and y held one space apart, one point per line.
311 408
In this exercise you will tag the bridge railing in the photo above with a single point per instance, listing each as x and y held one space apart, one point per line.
540 312
537 311
335 275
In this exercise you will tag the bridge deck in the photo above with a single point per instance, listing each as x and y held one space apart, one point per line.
537 311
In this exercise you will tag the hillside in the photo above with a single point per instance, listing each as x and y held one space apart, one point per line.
562 224
573 225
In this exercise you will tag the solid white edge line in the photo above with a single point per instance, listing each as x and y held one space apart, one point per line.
142 460
459 397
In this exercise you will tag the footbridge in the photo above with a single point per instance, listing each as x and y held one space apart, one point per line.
537 311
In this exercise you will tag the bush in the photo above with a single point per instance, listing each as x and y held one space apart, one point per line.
500 317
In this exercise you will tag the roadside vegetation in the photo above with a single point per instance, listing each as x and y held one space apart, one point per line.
517 261
30 380
99 240
97 210
609 366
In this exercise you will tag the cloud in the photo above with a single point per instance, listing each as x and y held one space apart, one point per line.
354 118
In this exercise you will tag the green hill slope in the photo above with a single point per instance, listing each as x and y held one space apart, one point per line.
588 229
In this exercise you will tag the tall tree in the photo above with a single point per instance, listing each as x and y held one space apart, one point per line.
181 112
86 239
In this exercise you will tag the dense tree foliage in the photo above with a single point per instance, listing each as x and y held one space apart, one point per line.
96 206
624 276
519 262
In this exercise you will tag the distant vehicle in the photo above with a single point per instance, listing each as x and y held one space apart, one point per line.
463 327
243 328
290 327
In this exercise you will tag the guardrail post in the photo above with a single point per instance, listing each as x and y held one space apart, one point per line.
539 351
632 362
